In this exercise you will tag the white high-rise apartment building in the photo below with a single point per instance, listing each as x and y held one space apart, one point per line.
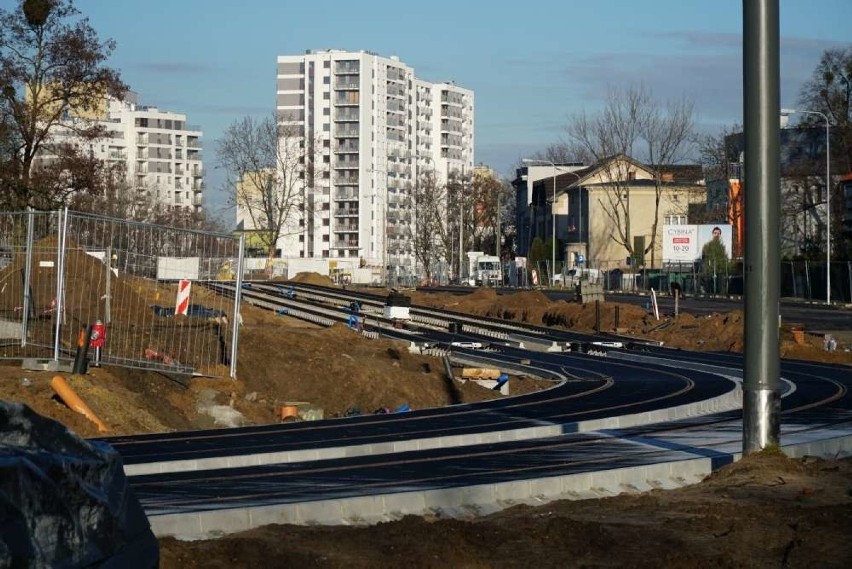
161 153
375 128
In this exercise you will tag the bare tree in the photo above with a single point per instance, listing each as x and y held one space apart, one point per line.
829 91
632 120
718 154
610 134
428 235
268 167
666 131
489 196
51 64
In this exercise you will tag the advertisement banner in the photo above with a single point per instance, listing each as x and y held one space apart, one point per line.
680 243
685 243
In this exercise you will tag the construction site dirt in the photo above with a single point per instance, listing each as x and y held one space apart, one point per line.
765 511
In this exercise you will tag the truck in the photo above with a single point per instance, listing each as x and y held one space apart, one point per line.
484 270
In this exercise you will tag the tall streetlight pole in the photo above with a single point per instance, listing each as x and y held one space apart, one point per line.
552 216
788 112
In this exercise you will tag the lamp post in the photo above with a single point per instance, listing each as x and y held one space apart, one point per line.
786 113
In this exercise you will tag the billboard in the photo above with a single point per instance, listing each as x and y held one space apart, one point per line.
684 243
680 243
721 232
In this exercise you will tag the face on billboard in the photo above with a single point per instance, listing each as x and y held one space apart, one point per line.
720 232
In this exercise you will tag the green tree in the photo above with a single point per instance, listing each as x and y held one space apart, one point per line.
714 265
539 251
51 64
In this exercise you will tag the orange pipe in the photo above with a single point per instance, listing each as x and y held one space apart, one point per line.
70 398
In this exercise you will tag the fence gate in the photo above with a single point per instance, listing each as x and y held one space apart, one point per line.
61 272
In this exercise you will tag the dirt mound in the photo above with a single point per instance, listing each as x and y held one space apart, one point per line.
313 278
779 519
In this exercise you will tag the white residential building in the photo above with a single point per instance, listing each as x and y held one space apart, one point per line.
374 128
161 152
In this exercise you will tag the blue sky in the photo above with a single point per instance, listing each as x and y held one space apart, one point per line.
531 65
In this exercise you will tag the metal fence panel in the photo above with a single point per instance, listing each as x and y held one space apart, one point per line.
61 272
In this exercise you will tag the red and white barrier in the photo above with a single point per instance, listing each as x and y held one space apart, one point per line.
182 303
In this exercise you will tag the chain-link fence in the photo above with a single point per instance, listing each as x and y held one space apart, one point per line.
64 275
803 280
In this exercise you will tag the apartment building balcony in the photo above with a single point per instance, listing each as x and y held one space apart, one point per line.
345 85
159 140
395 133
150 152
346 180
197 200
197 171
180 171
395 90
346 212
396 199
346 99
395 74
117 156
346 148
346 228
198 186
347 115
347 165
194 143
346 131
345 194
345 244
346 68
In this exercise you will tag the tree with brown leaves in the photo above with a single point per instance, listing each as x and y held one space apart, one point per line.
52 63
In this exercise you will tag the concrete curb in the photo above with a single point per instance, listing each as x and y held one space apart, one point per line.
468 501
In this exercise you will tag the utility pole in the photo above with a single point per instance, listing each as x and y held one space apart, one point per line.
762 366
461 227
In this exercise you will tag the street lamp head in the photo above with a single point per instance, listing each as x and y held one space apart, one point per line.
788 112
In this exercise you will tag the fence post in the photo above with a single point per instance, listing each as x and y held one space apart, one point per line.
808 280
235 332
60 279
793 278
849 272
108 307
28 270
